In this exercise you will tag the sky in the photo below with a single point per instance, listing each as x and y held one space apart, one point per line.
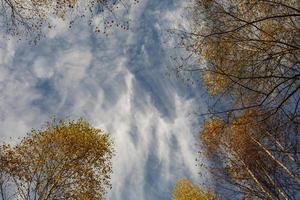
121 83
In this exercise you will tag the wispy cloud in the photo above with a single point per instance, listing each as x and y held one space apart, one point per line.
118 83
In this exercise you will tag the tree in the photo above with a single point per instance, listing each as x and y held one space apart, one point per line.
255 162
65 160
249 53
31 18
186 190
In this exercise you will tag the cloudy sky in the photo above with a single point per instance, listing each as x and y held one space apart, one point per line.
121 83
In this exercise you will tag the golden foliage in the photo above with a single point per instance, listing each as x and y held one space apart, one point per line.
240 132
66 160
214 82
253 157
251 49
251 52
212 133
186 190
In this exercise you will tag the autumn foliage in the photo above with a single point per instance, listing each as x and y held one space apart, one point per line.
186 190
248 52
258 161
65 160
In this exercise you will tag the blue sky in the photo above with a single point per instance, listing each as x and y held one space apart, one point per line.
120 84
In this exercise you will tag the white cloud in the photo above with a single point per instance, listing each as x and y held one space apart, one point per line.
72 65
117 82
42 69
59 27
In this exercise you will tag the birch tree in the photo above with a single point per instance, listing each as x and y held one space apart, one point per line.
248 58
256 163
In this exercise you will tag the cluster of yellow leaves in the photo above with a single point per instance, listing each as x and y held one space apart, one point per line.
67 159
240 131
214 82
227 59
212 133
235 135
246 141
245 41
186 190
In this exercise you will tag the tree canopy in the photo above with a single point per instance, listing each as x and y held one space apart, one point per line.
248 58
65 160
186 190
250 52
257 161
31 18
